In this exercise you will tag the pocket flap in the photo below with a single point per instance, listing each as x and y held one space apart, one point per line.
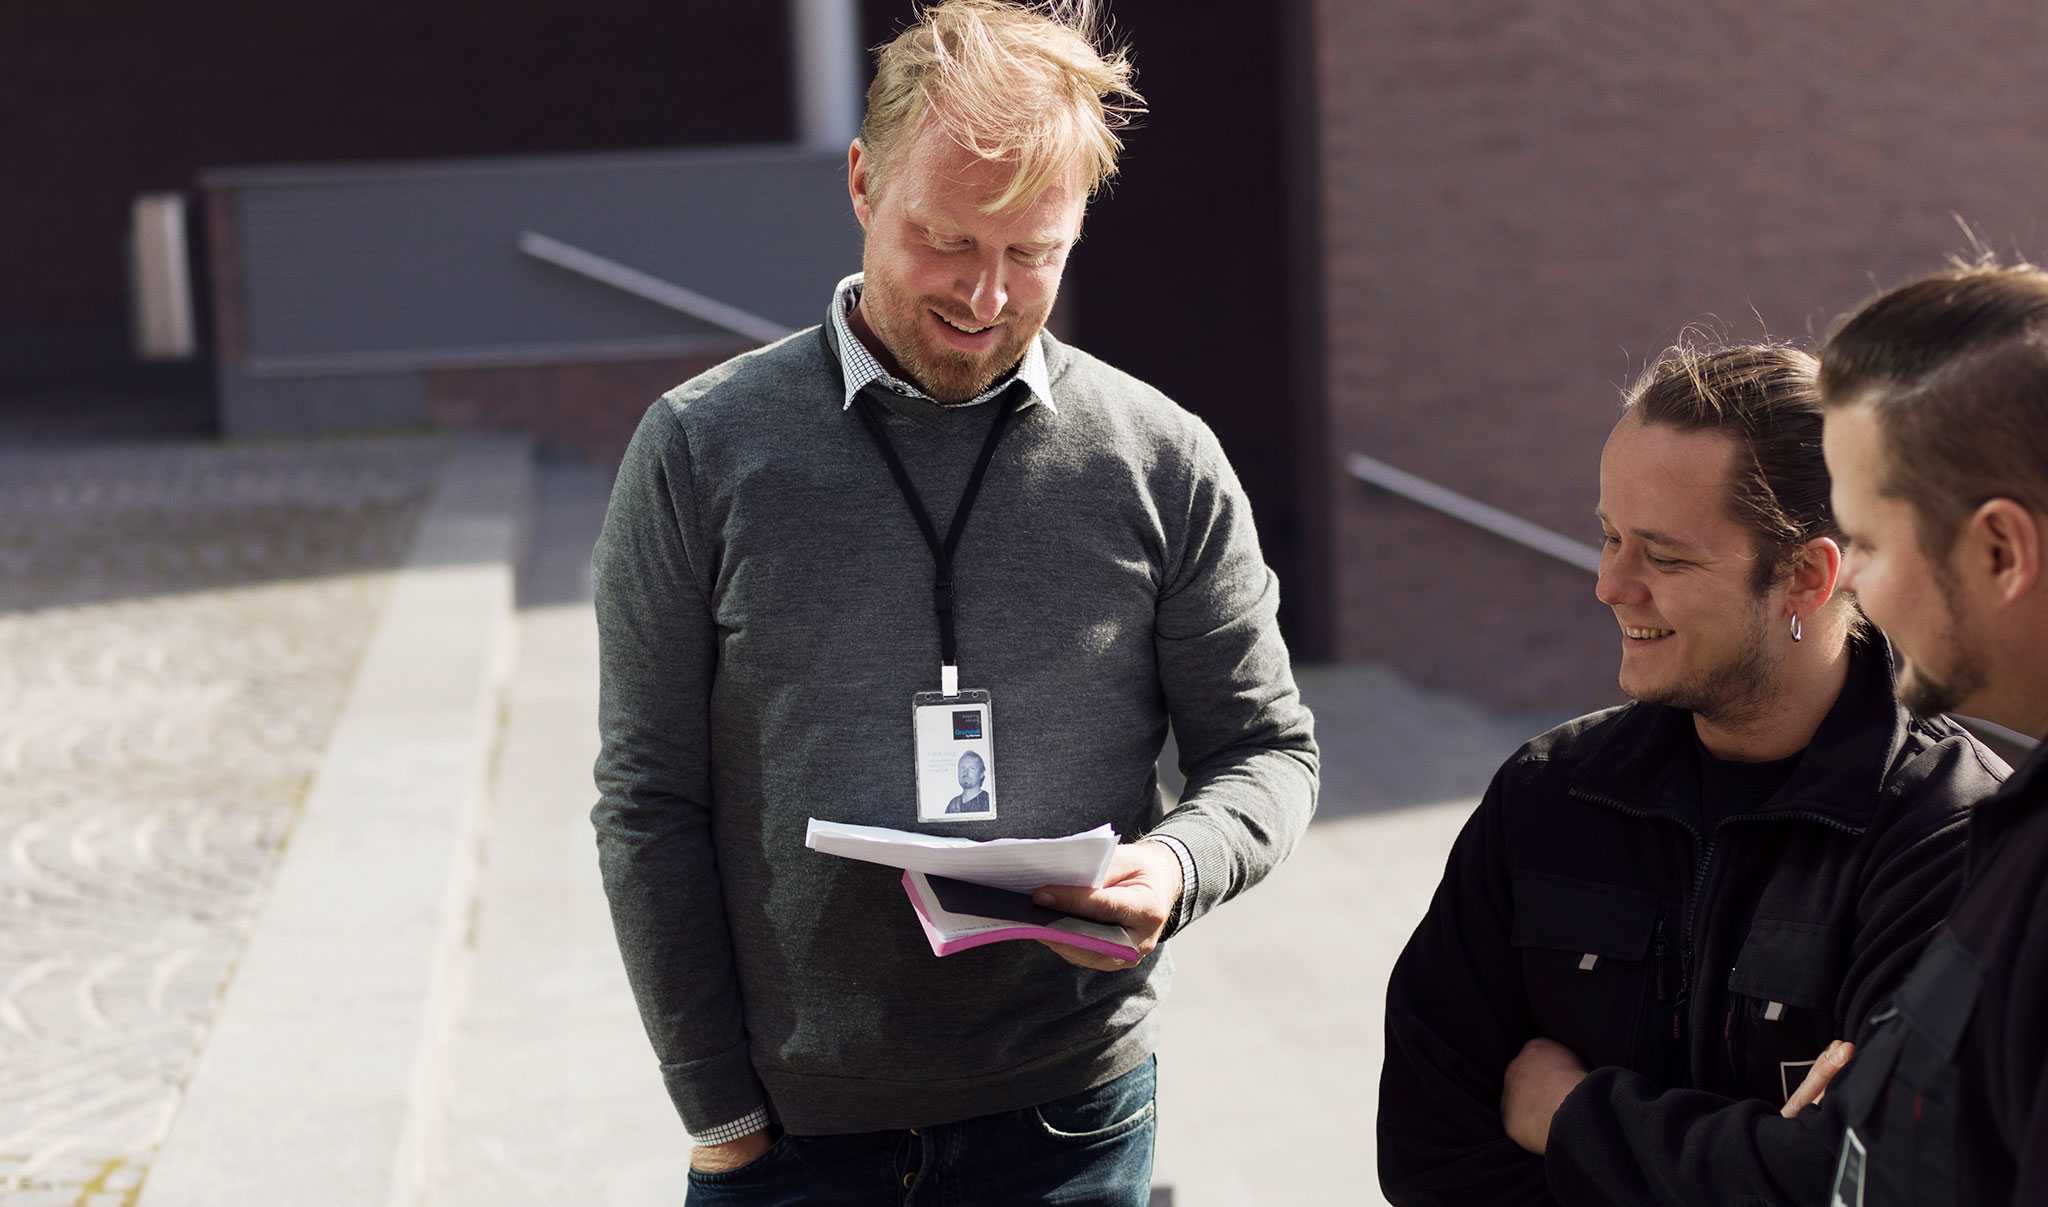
1582 915
1940 994
1797 963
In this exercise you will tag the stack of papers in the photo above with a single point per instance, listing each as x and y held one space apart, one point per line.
968 894
1017 864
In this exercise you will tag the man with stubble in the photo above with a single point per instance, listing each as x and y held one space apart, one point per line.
927 486
1937 438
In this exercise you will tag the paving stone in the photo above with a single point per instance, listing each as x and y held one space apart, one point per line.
179 627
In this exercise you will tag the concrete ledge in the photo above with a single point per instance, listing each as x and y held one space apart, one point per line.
322 1079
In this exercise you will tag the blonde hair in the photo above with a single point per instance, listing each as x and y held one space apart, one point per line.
1027 84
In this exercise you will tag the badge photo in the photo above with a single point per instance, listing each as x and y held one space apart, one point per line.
955 756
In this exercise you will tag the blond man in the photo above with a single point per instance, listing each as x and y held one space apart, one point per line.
930 496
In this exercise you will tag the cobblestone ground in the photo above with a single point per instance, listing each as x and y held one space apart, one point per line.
179 628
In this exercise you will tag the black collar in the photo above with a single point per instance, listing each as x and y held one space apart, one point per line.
1643 763
2024 792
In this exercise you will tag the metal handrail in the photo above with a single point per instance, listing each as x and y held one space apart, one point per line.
652 288
1475 513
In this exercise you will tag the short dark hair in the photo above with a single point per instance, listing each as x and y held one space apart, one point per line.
1955 366
1766 398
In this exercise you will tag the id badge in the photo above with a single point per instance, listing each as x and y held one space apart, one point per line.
1850 1172
956 766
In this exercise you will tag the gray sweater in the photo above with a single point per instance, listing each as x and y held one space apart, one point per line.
764 609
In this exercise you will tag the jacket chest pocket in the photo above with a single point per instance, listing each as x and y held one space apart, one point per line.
1899 1095
1584 949
1781 995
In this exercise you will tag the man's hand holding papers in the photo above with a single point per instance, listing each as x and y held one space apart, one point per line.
1139 894
1135 886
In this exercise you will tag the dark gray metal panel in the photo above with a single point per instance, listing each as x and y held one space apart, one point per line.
386 258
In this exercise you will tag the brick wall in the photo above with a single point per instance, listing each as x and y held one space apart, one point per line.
1522 202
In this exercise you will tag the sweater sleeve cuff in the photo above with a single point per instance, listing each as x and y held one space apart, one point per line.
1183 905
1205 862
715 1093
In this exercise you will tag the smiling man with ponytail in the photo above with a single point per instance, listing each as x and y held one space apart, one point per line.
1662 916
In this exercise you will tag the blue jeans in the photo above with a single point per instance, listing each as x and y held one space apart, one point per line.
1093 1148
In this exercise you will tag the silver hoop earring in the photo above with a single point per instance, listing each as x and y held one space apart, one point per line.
1798 634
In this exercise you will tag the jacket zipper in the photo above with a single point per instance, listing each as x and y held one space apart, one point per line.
1660 959
1702 862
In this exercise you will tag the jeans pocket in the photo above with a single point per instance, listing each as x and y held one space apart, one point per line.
1104 1112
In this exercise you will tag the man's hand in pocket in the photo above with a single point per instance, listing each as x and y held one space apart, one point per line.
726 1157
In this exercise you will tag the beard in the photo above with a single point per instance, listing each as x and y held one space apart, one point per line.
1734 692
947 374
1922 692
1926 696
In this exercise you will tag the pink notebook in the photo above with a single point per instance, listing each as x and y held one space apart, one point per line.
957 915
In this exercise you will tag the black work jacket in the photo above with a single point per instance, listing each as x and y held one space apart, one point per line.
1696 974
1948 1094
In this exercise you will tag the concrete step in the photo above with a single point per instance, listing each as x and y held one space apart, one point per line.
554 1094
323 1080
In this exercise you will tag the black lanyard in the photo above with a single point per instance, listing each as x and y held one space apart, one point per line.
942 551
